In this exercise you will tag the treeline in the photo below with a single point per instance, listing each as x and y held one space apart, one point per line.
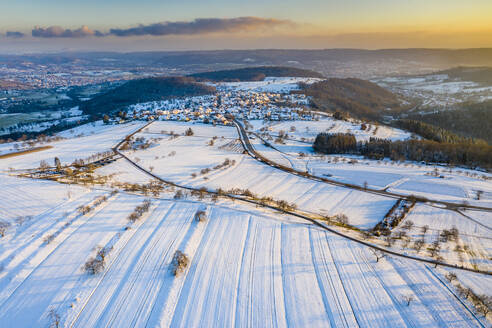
359 98
27 135
470 155
335 143
470 120
144 90
431 132
475 74
254 74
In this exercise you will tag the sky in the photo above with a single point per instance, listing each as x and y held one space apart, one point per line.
125 25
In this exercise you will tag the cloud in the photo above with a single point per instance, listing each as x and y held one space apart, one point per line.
14 34
59 32
201 26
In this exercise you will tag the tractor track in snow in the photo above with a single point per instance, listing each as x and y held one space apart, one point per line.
89 217
115 260
423 295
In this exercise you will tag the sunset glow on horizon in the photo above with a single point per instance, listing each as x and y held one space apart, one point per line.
220 24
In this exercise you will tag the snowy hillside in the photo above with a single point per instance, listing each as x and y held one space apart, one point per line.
179 217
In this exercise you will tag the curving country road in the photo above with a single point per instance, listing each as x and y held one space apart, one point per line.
298 215
243 135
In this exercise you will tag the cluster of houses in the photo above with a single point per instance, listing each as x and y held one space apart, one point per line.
217 108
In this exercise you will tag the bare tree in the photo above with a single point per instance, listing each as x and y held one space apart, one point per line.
54 318
178 194
189 132
341 218
408 299
435 248
200 216
408 225
418 244
451 277
179 263
58 164
4 225
486 304
43 165
389 240
378 254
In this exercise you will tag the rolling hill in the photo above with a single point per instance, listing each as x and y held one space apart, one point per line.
254 74
356 97
144 90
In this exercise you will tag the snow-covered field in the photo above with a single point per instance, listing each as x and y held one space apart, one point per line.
450 184
249 266
80 143
270 84
246 269
474 234
25 197
437 89
309 130
177 159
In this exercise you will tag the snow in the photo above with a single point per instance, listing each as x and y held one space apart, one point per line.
437 90
364 210
248 266
246 269
310 129
410 178
473 233
269 84
85 141
27 197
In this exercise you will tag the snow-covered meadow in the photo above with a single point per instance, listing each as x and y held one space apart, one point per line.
437 90
248 266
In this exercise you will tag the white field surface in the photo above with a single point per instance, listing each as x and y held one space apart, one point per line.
27 197
85 141
269 84
192 154
437 89
455 185
409 178
310 129
247 269
473 233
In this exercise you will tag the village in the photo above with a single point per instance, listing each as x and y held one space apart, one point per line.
248 105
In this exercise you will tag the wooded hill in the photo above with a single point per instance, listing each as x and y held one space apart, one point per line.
254 74
144 90
475 74
431 132
358 98
470 120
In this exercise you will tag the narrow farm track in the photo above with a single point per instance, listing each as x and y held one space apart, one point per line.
260 279
337 303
